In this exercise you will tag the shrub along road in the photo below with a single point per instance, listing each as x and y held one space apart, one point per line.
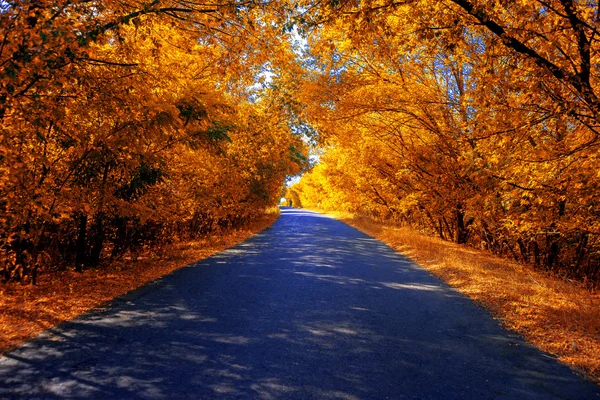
309 309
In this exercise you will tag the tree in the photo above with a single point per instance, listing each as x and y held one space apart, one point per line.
431 117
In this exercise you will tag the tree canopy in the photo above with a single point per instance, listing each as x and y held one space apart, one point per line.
130 123
475 121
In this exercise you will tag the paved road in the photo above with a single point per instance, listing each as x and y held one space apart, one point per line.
309 309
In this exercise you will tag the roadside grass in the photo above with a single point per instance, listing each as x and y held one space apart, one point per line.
26 311
557 316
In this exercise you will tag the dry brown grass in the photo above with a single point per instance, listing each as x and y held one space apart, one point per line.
26 311
559 317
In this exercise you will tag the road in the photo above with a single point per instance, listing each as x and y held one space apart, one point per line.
309 309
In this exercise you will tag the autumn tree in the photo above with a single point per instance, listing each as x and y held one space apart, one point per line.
475 121
127 124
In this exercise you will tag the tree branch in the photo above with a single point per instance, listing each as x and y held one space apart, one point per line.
576 81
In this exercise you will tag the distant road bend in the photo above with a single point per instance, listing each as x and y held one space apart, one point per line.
309 309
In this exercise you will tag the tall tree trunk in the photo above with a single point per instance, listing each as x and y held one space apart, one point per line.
99 235
119 244
581 250
523 250
536 253
22 249
461 228
98 241
448 228
441 229
552 250
80 248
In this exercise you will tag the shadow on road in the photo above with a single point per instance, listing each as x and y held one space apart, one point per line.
309 309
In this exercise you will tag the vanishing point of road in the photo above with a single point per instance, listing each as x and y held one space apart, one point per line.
309 309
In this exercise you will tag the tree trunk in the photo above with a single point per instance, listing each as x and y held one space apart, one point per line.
98 242
441 229
523 250
80 253
99 236
119 245
581 250
461 228
552 252
536 253
34 271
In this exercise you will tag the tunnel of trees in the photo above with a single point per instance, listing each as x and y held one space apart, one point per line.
127 124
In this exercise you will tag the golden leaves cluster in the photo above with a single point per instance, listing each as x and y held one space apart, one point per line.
127 124
476 121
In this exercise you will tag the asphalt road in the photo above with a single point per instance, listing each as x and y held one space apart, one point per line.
309 309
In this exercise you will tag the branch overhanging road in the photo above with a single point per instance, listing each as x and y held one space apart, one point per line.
309 309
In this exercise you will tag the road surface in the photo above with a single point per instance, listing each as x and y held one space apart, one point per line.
309 309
